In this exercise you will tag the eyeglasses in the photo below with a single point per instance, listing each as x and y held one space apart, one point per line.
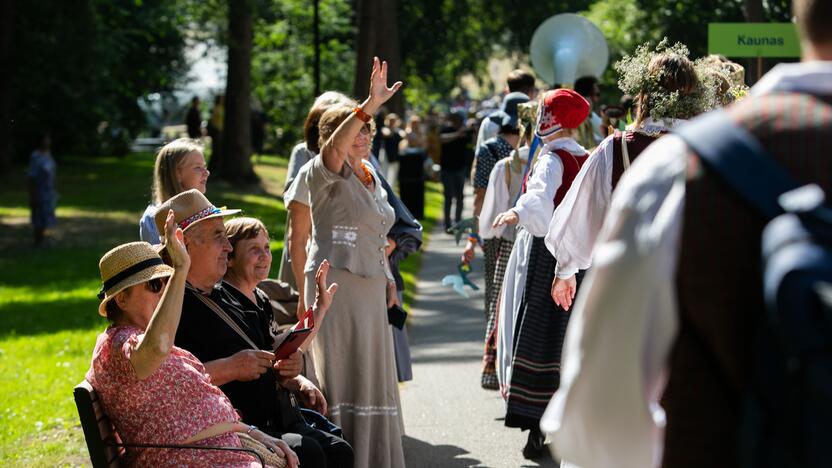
155 285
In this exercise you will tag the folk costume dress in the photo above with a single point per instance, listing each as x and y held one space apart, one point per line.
353 350
504 185
578 219
539 324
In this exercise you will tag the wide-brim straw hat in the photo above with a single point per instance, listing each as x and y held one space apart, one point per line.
128 265
189 208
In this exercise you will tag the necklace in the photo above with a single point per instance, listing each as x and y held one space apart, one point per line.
367 178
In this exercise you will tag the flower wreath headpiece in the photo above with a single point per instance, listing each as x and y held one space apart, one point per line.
635 78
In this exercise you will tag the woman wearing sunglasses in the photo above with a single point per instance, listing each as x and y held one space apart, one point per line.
351 219
154 392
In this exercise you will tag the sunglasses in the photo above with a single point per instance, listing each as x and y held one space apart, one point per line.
155 285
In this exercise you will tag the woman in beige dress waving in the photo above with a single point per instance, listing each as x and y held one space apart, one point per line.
353 350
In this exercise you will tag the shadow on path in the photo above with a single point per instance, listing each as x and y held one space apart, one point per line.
420 453
450 421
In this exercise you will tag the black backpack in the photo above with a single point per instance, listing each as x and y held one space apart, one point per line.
787 410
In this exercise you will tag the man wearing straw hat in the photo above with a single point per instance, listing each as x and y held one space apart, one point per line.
231 337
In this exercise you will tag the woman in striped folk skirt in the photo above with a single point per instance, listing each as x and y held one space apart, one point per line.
489 248
504 182
538 343
539 324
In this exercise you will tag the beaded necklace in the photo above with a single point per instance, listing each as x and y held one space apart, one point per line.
367 179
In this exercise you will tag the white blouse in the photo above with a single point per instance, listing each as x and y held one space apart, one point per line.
499 197
535 207
576 222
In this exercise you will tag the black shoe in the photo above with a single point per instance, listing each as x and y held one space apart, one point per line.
534 445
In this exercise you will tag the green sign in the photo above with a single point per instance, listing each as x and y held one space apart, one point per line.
753 39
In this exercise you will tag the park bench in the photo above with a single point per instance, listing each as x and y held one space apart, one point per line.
105 446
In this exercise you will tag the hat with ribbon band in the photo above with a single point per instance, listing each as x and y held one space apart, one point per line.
189 208
128 265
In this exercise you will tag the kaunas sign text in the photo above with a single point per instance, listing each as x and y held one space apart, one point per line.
753 39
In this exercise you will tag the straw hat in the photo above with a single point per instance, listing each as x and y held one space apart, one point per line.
189 208
128 265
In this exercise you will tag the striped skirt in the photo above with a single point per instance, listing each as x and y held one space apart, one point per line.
489 248
502 249
541 327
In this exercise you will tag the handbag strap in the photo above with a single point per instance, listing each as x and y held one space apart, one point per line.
223 315
739 159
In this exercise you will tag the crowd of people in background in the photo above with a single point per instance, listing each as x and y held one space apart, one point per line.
616 270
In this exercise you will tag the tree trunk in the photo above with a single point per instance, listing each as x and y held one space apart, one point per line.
378 35
6 133
236 140
754 13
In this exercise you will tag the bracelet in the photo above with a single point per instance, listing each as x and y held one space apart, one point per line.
362 116
251 429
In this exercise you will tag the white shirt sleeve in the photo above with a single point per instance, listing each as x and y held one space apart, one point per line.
606 412
580 215
535 207
495 202
298 191
488 130
299 157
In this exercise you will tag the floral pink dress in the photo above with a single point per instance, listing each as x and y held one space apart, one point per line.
173 404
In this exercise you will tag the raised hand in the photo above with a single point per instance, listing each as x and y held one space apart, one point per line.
323 295
175 243
379 91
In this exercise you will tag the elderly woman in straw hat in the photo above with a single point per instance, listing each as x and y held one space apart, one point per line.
154 391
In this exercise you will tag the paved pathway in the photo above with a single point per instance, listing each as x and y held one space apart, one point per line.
450 421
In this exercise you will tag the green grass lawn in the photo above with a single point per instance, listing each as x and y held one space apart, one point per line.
48 304
410 267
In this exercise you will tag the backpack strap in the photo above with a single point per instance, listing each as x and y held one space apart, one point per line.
739 159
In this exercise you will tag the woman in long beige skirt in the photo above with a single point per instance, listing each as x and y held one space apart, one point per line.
353 349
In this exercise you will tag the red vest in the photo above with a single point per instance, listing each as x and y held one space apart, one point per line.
571 166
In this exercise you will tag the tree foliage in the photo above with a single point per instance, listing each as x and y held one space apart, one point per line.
445 39
629 23
282 67
80 66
